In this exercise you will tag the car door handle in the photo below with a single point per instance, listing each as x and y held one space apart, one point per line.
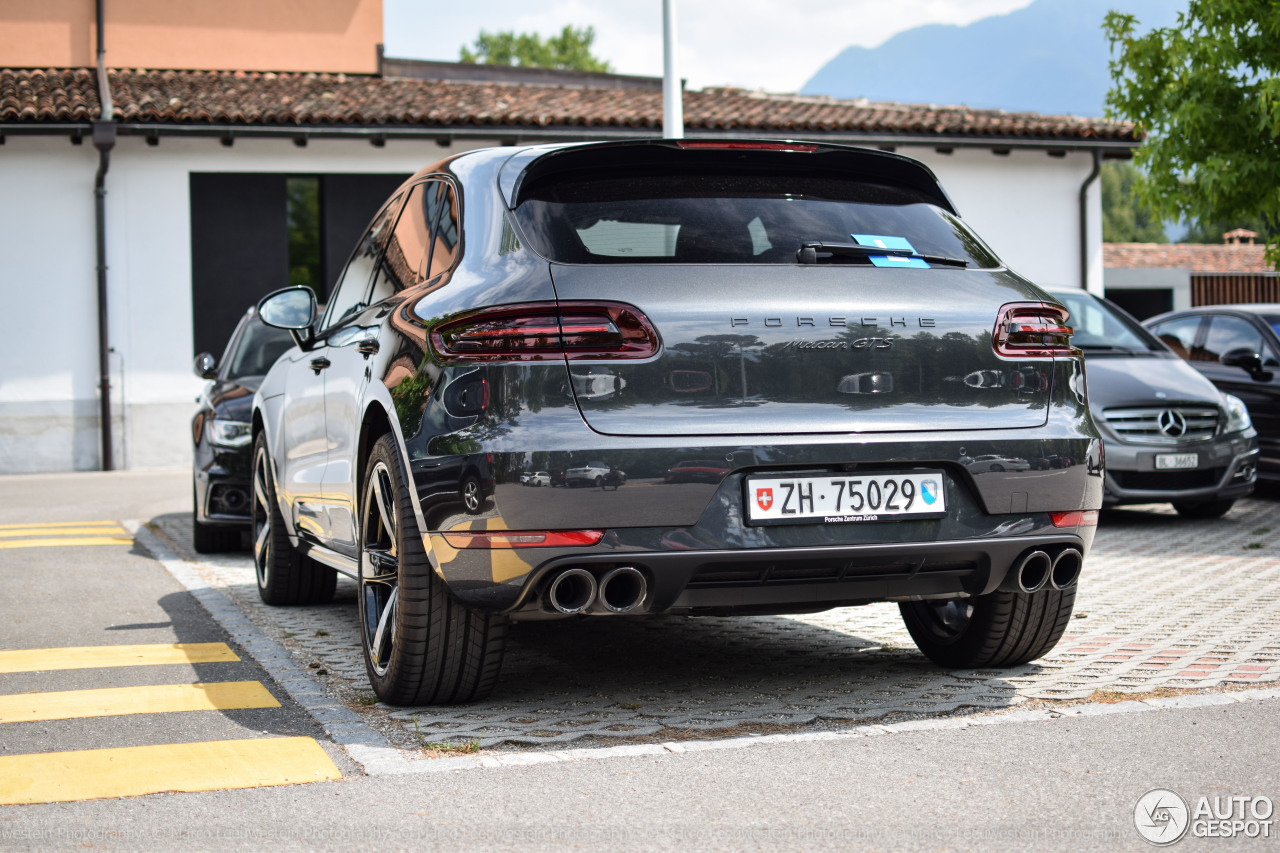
368 347
319 364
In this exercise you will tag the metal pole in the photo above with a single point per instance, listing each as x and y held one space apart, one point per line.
672 103
104 139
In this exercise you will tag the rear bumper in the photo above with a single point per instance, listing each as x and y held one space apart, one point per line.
809 579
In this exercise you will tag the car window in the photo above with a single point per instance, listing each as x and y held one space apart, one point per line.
349 296
1227 334
745 218
444 247
1097 325
405 259
257 349
1179 334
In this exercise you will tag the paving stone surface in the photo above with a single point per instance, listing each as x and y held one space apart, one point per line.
1164 602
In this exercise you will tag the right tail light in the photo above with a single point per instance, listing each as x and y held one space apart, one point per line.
1032 330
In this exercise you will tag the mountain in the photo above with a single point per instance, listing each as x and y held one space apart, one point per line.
1050 57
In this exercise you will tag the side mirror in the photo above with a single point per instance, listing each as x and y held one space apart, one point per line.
205 366
293 308
1248 361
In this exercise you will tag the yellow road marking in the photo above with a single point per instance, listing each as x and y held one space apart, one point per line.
51 543
132 771
93 657
149 699
50 525
15 532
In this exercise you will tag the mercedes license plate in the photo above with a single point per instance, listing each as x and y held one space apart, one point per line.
1173 461
841 499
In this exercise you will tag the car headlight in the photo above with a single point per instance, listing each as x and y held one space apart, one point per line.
1237 414
230 433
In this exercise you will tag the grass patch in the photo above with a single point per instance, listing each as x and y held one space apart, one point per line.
322 633
444 747
1110 697
288 635
1261 531
1254 546
366 701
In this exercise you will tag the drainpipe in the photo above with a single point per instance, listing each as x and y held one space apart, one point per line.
104 139
1084 219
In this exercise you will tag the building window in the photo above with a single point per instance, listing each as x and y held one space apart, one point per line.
306 264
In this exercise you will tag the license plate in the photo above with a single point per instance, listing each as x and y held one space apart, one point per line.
1172 461
844 499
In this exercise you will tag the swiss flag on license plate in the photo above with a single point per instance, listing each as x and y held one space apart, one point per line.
764 498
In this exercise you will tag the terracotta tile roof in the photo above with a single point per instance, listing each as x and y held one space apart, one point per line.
1197 257
328 100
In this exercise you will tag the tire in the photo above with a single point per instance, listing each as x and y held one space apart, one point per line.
1000 629
599 480
472 495
421 646
284 576
1206 509
210 538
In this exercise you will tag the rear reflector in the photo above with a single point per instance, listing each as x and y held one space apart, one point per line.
1032 330
1075 518
577 331
522 538
743 145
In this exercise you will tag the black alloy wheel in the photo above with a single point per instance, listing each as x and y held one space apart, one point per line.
284 575
999 629
421 645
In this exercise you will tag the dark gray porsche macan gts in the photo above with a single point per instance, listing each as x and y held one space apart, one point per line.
814 320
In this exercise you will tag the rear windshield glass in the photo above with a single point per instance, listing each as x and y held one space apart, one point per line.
733 218
258 348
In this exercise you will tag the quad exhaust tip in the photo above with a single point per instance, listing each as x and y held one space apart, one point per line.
1066 568
572 591
622 590
1033 571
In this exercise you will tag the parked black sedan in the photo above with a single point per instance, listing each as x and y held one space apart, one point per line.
1237 348
222 434
640 304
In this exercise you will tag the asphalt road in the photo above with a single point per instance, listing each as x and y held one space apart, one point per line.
1062 784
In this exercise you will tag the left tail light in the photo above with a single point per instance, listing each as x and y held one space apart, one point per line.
541 331
1032 330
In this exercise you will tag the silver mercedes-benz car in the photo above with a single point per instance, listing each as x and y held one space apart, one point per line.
805 320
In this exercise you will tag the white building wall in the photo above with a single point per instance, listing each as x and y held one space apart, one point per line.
1024 204
48 356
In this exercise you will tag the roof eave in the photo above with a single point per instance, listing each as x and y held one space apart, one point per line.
514 134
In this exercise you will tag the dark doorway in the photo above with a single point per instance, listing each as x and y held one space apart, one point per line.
1142 303
255 233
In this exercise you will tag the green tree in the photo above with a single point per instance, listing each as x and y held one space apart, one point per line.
571 49
1125 219
1211 231
1206 92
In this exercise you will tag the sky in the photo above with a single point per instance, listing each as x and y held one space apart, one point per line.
753 44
